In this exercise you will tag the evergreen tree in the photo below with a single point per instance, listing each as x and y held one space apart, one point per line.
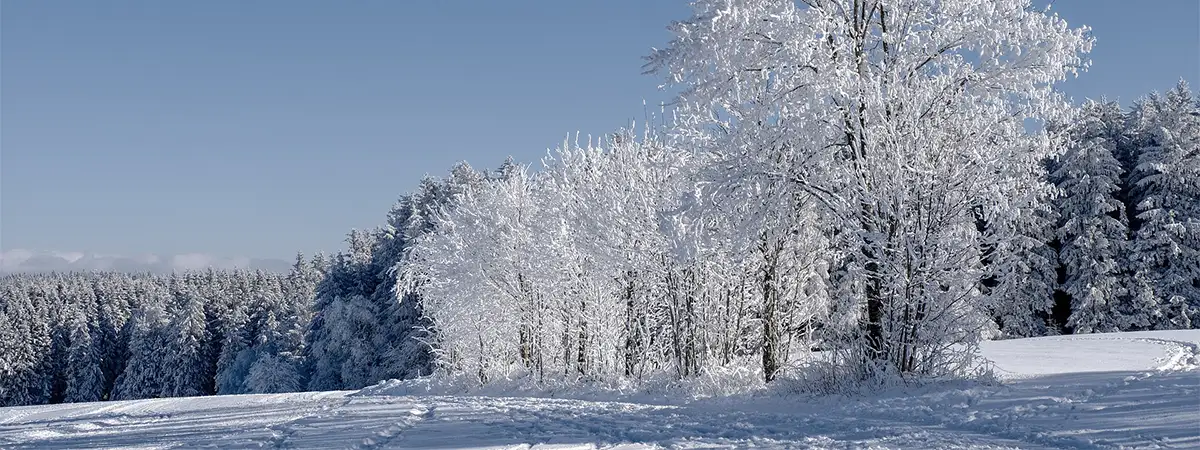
233 362
145 373
349 276
42 373
508 169
462 179
1024 272
113 300
15 353
1093 231
295 312
272 374
187 334
85 381
392 244
1166 248
70 337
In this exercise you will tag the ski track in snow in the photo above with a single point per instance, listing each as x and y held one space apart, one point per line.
1120 390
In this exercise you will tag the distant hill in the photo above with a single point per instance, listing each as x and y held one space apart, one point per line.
28 261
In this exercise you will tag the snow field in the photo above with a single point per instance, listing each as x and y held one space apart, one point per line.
1119 390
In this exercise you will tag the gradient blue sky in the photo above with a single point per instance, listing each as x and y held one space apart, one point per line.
263 128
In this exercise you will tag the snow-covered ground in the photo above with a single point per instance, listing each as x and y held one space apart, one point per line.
1120 390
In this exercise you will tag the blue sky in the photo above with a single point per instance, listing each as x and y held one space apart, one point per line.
263 128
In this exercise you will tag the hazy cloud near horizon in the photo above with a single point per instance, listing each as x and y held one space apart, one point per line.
28 261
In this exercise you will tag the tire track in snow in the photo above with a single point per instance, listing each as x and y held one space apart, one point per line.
283 431
954 417
606 424
1186 355
601 425
82 419
418 413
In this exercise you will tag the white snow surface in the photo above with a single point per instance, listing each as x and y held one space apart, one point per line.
1118 390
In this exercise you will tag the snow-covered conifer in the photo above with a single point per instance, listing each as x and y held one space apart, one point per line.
145 372
1167 243
85 380
272 374
1093 232
234 361
186 342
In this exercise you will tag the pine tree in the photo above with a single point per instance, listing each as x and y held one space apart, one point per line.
295 312
85 381
1167 244
462 179
14 351
100 336
38 377
1024 272
233 362
272 374
145 373
431 195
114 310
508 169
1093 231
388 252
187 339
350 279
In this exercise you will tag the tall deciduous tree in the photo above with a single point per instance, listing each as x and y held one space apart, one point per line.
899 118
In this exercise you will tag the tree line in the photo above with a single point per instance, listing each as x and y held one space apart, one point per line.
111 336
330 323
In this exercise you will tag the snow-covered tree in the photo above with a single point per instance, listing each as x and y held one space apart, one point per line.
399 355
463 179
9 362
1093 233
471 274
233 362
103 336
882 180
597 267
345 358
900 119
295 310
186 342
1167 243
146 372
604 208
24 334
85 380
115 306
1022 271
272 374
334 330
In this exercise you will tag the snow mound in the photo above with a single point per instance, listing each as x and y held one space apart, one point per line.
1103 352
735 380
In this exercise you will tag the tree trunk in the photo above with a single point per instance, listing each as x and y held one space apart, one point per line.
632 330
770 312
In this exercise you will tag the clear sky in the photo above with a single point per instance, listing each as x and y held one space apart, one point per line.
263 128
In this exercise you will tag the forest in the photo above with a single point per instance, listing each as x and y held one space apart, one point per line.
847 193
